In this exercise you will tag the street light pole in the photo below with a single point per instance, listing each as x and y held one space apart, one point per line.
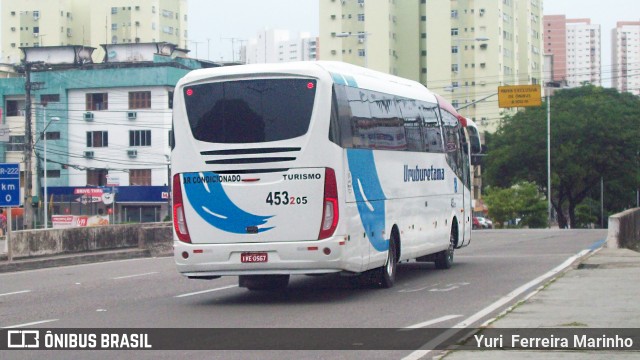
44 138
549 208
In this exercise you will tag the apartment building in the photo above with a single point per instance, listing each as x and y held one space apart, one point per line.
625 57
575 48
108 126
462 49
29 23
275 45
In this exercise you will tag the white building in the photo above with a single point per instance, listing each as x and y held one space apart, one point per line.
273 45
625 57
575 47
583 53
30 23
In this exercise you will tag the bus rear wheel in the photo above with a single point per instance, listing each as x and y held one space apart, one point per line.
385 276
444 259
263 282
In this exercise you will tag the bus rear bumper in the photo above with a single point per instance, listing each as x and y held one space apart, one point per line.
300 257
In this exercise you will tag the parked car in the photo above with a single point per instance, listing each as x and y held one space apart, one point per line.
476 224
485 223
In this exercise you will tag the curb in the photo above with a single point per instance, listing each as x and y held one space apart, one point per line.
70 259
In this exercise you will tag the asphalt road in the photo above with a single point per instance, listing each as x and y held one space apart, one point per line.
499 268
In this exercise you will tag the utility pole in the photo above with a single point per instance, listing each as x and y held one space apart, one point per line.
233 46
196 42
28 180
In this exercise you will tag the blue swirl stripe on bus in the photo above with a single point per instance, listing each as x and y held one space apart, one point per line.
370 198
212 203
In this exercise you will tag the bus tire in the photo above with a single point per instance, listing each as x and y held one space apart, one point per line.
444 259
386 276
263 282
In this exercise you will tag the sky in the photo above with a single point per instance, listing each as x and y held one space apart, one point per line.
220 20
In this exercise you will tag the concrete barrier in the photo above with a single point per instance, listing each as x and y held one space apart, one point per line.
156 237
624 230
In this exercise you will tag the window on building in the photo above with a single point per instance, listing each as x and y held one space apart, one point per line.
52 135
140 138
97 101
15 107
454 14
114 26
454 31
16 143
360 17
170 95
47 98
140 177
114 10
454 49
97 177
139 99
97 139
52 173
454 67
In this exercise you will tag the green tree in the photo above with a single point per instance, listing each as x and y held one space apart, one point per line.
521 201
595 135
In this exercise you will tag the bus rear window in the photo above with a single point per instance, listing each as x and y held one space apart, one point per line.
250 111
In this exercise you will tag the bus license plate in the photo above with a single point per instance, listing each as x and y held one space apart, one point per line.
254 257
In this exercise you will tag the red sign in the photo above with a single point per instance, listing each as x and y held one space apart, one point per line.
87 191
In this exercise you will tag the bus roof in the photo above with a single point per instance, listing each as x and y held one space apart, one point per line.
338 72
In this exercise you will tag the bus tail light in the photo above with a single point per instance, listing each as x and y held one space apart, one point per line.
179 220
330 213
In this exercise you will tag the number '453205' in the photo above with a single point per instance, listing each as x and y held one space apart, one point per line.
275 198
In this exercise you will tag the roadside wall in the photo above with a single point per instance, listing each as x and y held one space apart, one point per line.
156 237
624 230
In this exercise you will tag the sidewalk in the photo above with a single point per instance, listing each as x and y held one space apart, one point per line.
603 291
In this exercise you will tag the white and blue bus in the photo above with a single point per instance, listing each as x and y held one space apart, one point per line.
315 168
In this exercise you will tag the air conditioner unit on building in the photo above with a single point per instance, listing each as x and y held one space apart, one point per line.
88 154
132 115
360 41
132 153
88 116
35 34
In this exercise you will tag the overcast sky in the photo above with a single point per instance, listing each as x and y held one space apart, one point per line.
220 20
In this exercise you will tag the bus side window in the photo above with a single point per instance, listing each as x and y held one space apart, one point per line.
451 129
432 129
337 133
387 131
360 117
410 112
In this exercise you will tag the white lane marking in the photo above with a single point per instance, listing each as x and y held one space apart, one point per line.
496 305
29 324
15 292
431 322
132 276
206 291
